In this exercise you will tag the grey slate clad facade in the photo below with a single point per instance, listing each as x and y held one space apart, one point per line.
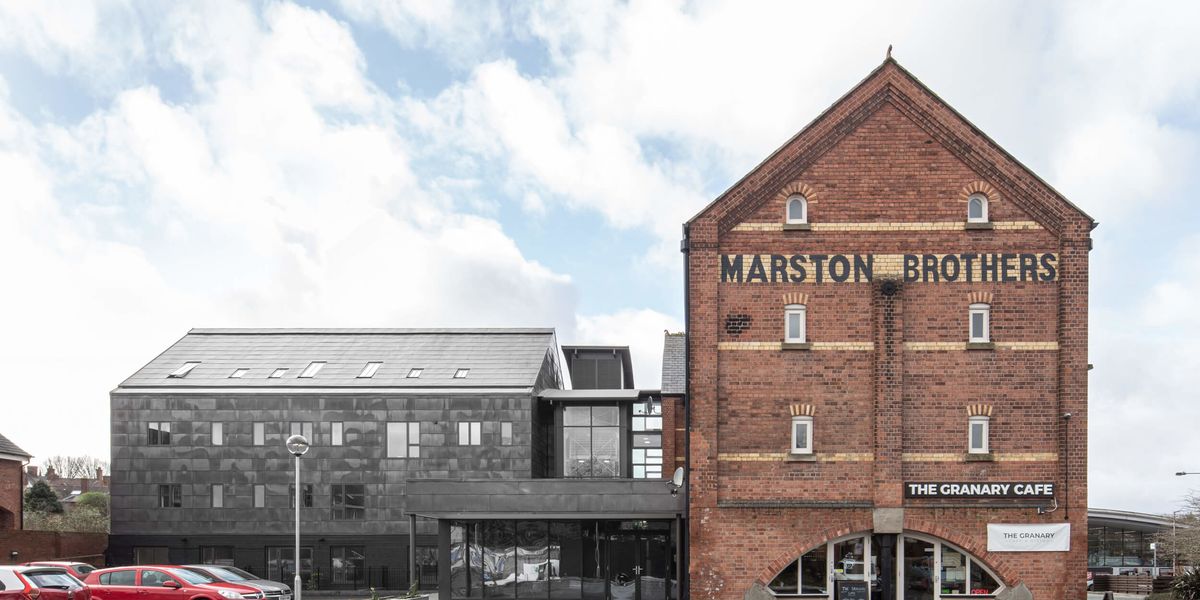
674 368
163 437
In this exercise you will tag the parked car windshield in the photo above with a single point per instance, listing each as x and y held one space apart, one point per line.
191 576
53 579
230 573
84 569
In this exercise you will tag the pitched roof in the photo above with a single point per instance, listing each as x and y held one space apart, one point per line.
674 363
7 447
495 357
892 84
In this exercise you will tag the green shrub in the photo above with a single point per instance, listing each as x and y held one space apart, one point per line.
1187 585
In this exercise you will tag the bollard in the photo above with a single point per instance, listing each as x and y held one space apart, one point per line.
1108 596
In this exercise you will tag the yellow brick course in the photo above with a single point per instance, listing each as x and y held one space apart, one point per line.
997 456
782 456
932 226
815 346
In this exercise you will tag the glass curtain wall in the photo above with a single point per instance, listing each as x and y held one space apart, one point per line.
546 560
1120 547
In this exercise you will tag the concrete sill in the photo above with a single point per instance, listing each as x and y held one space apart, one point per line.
980 226
980 457
981 346
797 346
797 227
801 457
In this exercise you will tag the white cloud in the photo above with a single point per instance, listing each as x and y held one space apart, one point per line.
280 195
640 329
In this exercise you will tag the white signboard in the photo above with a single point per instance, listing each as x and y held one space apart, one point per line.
1053 537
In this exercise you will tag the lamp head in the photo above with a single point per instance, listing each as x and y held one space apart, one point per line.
1181 474
297 445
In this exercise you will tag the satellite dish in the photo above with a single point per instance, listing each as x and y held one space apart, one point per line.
677 478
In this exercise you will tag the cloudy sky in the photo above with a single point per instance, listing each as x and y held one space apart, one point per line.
173 165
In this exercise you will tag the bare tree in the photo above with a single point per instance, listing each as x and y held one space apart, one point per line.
75 466
1183 539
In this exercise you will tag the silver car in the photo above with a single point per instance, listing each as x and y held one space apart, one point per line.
272 590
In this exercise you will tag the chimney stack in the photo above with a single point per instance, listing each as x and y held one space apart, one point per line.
31 470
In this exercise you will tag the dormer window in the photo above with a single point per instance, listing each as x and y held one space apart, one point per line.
797 209
183 370
977 208
795 326
980 319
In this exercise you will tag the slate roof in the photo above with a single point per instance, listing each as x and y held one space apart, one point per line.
7 447
674 363
495 357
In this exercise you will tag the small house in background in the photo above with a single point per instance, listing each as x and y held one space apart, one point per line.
12 483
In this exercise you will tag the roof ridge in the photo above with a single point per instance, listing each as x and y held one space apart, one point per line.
370 330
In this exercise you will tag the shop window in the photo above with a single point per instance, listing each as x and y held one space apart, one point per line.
802 434
142 555
404 440
591 441
977 208
282 567
170 495
797 209
216 555
980 316
346 564
470 433
963 575
978 435
806 575
795 323
158 433
349 501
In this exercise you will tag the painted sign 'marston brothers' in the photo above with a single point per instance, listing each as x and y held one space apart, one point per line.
926 268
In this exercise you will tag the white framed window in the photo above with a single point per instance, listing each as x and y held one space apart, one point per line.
977 434
218 496
461 373
238 373
795 317
218 434
260 496
369 369
277 373
980 317
977 208
183 370
802 435
404 440
312 369
260 434
415 372
797 209
335 433
470 433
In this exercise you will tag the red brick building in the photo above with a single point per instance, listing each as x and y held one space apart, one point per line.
886 313
12 483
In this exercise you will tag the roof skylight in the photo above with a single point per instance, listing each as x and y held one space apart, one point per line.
461 373
312 369
370 368
277 373
184 370
238 373
415 373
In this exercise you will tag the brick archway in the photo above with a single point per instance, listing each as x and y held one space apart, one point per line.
865 526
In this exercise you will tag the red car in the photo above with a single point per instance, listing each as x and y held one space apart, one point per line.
78 569
40 583
163 582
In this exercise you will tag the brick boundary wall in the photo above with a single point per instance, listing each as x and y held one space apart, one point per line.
52 545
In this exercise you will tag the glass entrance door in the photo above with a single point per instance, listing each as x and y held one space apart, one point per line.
638 567
917 572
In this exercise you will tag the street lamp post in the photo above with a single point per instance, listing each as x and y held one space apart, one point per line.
297 445
1175 526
